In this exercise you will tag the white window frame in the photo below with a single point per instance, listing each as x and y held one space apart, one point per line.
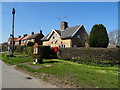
78 36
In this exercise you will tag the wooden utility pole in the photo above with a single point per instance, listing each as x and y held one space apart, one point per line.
13 13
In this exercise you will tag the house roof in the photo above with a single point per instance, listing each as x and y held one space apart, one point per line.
58 31
26 37
66 33
33 36
45 37
10 39
19 38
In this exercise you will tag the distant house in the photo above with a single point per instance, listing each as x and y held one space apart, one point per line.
75 36
24 40
10 41
36 38
18 40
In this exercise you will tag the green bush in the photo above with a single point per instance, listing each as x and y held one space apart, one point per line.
98 36
30 43
105 56
30 51
53 54
3 48
19 49
44 51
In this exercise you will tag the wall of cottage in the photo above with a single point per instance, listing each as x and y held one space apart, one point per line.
81 40
57 42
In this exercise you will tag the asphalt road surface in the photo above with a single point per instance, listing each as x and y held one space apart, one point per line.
11 78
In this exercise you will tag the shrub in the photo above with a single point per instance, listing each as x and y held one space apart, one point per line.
44 51
19 48
53 54
98 36
3 48
30 51
104 56
30 43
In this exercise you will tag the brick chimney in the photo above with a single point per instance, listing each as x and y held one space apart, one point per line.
40 31
19 36
64 25
32 33
24 35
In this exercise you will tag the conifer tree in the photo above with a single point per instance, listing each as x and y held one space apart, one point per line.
98 36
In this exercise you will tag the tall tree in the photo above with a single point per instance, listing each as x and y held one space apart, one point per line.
98 36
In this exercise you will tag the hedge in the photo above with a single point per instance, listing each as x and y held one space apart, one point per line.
90 55
45 52
19 49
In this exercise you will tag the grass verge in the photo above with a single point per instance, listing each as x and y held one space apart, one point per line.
16 60
84 76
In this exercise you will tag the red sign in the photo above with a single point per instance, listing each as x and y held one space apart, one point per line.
56 49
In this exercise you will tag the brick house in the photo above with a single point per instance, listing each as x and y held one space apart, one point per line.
35 38
75 36
24 40
10 41
18 40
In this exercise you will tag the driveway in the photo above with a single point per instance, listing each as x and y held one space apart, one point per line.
11 78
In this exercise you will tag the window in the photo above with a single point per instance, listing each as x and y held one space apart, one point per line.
51 41
85 38
74 46
78 36
59 46
55 36
63 46
35 50
55 41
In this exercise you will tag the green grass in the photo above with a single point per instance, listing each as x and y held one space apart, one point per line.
15 60
103 77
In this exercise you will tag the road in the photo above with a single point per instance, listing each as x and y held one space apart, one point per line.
12 78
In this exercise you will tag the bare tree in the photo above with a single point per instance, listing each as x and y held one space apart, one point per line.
114 37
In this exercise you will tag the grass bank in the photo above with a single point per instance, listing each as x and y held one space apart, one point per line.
78 74
19 58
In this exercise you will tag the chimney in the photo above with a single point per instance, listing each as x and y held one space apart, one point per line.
24 35
64 25
40 31
19 36
32 33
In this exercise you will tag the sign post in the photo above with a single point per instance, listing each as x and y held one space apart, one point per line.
13 12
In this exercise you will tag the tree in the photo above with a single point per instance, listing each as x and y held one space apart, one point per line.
114 38
98 36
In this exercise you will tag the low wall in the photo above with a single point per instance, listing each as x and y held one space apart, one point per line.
91 55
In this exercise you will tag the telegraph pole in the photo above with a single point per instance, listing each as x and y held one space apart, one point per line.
13 13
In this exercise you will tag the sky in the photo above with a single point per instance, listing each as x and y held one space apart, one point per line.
36 16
